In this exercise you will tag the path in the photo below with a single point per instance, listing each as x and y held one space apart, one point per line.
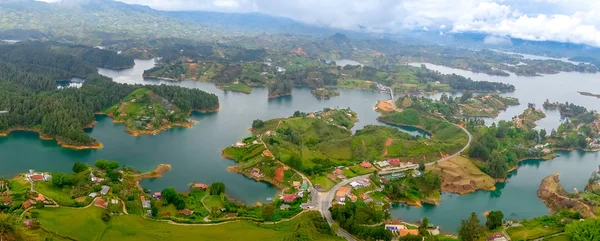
460 151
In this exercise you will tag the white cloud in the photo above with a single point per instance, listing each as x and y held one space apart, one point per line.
576 21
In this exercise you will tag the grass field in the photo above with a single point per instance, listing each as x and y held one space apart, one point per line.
85 224
238 88
79 224
563 237
55 193
325 182
213 201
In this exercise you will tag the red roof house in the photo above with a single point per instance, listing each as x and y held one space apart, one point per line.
290 197
186 212
37 177
27 204
200 186
366 164
339 171
101 203
394 162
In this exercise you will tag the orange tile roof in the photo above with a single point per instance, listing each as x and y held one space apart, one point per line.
40 197
345 189
404 232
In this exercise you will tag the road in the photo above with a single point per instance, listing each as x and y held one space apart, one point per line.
326 198
461 150
325 204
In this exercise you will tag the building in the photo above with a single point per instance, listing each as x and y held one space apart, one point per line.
93 195
7 201
239 144
296 184
382 164
186 212
231 215
200 186
338 172
40 198
104 190
146 203
319 187
497 237
288 198
394 162
27 204
404 232
284 207
37 177
101 203
366 164
157 195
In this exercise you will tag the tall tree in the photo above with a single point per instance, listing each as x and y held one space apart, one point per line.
494 219
470 229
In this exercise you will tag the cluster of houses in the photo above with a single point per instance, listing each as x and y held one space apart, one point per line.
395 165
545 148
346 192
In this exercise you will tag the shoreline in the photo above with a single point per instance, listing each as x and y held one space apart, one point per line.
161 128
99 145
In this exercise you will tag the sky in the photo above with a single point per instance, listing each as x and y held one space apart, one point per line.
575 21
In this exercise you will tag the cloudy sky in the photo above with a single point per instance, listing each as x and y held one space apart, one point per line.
576 21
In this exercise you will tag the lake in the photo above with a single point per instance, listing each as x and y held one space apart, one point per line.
195 153
517 198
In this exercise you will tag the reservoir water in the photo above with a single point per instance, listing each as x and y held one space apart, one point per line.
195 153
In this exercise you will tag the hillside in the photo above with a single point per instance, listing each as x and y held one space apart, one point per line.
487 105
145 113
93 22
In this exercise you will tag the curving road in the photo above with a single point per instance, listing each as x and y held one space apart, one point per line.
460 151
326 198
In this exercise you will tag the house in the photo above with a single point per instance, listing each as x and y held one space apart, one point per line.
47 177
231 215
355 184
284 207
93 195
497 236
352 197
157 195
394 225
296 184
149 127
200 186
37 177
394 162
300 194
146 204
186 212
104 190
404 232
338 172
382 164
40 198
319 187
366 164
239 144
7 201
27 204
288 198
149 213
101 203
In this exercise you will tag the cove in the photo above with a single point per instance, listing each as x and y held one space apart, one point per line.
517 198
194 153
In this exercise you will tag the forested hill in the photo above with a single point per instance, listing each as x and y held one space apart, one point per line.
63 114
91 22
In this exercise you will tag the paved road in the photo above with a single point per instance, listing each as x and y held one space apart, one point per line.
325 204
461 150
326 198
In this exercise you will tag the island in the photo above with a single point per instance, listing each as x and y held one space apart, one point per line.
145 113
528 118
324 94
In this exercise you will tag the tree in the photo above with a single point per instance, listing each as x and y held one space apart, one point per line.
79 167
168 194
114 175
470 229
107 165
424 223
268 212
217 188
466 96
543 133
583 231
62 179
257 124
494 219
421 166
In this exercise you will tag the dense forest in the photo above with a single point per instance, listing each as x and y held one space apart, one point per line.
33 101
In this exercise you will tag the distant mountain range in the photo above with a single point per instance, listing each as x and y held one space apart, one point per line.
92 22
